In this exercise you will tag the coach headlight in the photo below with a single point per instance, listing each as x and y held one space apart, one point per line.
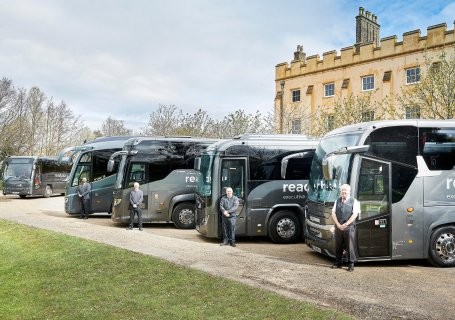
117 201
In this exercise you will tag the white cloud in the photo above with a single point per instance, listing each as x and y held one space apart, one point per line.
124 58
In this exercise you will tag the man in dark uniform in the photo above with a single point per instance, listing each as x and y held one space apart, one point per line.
228 206
136 198
344 213
83 191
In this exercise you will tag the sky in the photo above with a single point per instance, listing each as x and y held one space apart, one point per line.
125 58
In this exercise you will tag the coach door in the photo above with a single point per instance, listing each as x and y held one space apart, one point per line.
373 225
233 174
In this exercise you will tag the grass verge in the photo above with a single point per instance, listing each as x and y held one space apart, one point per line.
47 275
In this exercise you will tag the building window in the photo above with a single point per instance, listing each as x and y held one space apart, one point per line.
367 116
330 122
367 83
296 126
345 84
387 76
295 95
413 112
329 89
412 75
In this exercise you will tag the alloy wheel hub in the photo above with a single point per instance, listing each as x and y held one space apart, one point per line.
445 246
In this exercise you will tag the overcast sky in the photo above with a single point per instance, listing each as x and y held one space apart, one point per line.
123 58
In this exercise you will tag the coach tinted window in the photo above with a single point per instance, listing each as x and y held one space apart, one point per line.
438 148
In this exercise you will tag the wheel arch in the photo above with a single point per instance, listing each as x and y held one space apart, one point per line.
178 199
431 229
45 190
297 209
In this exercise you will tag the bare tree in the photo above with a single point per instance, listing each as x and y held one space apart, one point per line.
237 123
31 124
35 102
113 127
62 128
296 115
198 124
164 121
434 95
268 123
350 110
17 133
7 101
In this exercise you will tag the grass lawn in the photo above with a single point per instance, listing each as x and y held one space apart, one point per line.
46 275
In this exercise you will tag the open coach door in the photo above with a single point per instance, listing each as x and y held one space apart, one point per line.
374 222
233 174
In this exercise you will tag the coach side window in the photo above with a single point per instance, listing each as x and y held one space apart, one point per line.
438 148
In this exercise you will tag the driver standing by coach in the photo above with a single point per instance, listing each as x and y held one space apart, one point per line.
344 213
228 206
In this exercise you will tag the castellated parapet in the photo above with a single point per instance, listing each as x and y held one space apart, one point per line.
437 37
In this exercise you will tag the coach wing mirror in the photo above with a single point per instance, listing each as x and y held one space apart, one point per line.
111 162
329 159
285 162
327 167
110 165
350 150
61 156
197 163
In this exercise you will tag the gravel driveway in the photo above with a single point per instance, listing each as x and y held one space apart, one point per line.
386 290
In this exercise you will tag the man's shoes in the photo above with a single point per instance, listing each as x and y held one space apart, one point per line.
233 244
224 244
80 217
336 266
85 218
129 228
140 229
351 268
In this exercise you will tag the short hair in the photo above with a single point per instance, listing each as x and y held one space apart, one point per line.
346 186
136 184
229 188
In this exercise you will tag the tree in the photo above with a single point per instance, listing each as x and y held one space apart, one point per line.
238 123
268 122
350 110
62 128
198 124
7 100
164 121
293 116
32 124
434 95
113 127
34 111
15 136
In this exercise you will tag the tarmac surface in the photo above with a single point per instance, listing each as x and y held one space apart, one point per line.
380 290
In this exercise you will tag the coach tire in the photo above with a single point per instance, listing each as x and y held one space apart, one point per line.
47 191
22 196
442 247
183 216
284 227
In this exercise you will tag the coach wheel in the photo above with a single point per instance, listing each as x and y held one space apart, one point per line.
284 227
47 191
183 216
442 247
22 196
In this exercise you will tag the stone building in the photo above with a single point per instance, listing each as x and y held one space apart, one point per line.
380 67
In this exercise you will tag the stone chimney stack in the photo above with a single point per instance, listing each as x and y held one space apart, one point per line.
367 28
299 54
